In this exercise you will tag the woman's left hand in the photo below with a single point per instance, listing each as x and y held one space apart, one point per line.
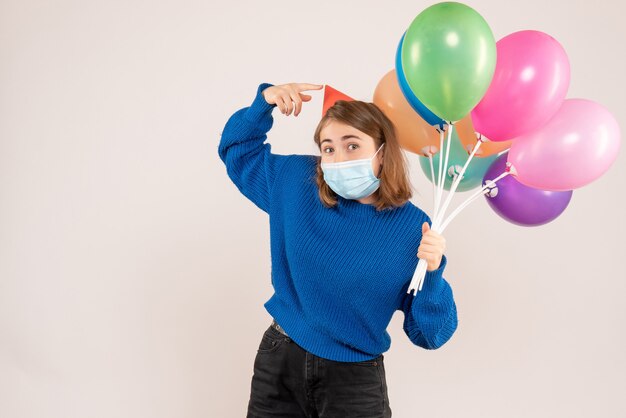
431 247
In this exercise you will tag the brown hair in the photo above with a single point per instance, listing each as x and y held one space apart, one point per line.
395 187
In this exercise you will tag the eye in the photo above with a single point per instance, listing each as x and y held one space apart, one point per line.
354 145
326 149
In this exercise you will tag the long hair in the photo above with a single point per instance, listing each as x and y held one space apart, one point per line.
395 187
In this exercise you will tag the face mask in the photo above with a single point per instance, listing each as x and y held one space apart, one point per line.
353 179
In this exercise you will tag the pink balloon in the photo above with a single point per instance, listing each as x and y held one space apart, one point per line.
529 85
575 147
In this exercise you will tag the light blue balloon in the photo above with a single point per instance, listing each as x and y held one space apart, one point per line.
476 169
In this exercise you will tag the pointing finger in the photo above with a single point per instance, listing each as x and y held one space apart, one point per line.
308 86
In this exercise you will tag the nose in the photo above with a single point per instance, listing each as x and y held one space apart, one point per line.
339 156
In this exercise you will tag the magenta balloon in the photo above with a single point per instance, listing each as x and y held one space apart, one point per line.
574 148
529 85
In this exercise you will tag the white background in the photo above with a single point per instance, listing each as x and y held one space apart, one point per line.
133 272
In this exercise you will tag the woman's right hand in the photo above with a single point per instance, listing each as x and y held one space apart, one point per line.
288 96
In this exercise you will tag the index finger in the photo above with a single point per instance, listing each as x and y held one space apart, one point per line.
308 86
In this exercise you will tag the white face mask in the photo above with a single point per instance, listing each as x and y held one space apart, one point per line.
353 179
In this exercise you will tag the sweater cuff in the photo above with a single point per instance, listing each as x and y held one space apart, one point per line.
433 281
259 108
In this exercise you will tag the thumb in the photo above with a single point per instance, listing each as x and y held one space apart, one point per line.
425 227
305 97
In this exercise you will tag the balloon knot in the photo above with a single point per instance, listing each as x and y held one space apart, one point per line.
510 168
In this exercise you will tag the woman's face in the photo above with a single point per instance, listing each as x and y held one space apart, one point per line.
340 142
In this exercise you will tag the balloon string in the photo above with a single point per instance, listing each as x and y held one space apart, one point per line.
439 167
488 184
422 265
421 272
442 168
457 181
432 173
437 191
422 277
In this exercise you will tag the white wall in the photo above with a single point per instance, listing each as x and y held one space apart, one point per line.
133 273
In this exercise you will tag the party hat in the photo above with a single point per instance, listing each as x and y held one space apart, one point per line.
331 96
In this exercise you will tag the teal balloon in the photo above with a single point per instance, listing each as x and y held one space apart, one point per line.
474 173
449 58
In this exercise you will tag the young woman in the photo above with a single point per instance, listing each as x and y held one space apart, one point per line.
345 242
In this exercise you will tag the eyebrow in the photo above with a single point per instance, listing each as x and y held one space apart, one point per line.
343 138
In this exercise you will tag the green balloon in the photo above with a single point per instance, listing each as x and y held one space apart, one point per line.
449 58
474 173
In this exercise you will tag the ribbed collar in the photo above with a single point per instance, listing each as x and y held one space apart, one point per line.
361 209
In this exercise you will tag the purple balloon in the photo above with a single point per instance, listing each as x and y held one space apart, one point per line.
521 204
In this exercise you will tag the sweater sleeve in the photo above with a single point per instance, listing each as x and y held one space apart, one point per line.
430 316
250 164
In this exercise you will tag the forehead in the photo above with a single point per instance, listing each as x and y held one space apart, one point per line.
334 130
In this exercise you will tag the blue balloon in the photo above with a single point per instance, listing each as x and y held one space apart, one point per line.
418 106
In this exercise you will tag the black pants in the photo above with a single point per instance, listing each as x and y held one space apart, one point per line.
289 381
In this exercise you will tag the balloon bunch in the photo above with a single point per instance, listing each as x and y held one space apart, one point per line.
503 102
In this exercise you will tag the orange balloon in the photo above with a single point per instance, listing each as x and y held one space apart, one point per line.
467 135
414 133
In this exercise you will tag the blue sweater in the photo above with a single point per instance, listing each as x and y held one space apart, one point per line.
339 274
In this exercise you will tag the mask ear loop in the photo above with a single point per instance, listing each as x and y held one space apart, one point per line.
381 164
379 148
